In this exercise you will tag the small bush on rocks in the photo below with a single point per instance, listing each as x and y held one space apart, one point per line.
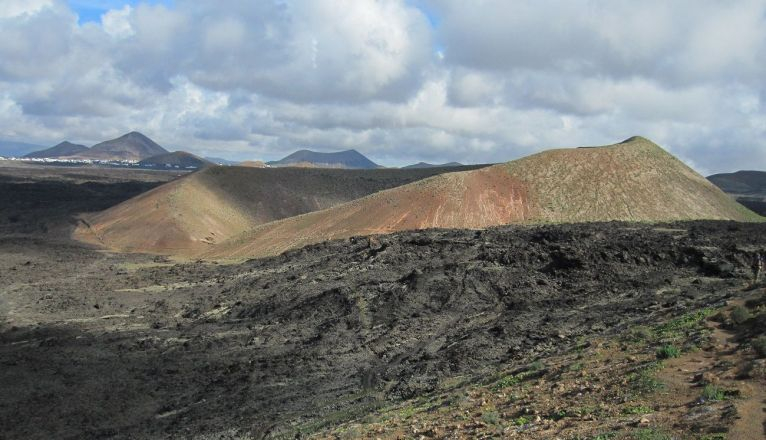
713 393
668 352
759 346
739 315
490 418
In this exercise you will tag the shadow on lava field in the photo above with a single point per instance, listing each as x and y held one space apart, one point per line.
132 346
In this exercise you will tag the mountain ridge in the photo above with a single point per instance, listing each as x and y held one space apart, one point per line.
63 149
350 159
18 149
189 215
748 187
180 159
130 146
634 180
741 182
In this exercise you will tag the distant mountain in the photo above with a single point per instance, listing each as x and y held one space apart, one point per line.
431 165
741 182
748 187
17 149
131 146
220 160
341 159
178 159
63 149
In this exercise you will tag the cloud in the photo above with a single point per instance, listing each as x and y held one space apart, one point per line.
21 8
673 42
302 51
401 81
116 22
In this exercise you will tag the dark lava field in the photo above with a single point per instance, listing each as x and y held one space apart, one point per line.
103 345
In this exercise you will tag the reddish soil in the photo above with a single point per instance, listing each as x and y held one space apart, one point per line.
189 216
633 181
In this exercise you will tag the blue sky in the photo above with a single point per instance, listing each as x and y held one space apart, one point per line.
91 10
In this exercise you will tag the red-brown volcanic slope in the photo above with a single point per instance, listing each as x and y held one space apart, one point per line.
634 181
468 199
190 215
181 218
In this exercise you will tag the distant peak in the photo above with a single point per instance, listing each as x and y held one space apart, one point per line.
341 159
636 139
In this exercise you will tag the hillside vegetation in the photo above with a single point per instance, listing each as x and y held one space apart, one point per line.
635 180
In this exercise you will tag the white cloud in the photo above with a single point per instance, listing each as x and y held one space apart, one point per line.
494 80
116 22
19 8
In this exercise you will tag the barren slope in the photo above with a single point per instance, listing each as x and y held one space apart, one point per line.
180 159
634 181
63 149
130 146
350 159
189 215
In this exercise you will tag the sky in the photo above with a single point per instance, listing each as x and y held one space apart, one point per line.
401 81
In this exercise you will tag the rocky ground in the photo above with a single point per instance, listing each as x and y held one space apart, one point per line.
699 376
38 200
102 345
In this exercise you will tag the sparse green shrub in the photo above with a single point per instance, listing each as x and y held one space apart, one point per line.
645 383
351 432
490 418
668 352
643 380
513 379
582 344
588 410
637 410
506 382
536 366
640 334
682 324
604 436
739 315
521 421
759 346
713 393
577 366
650 434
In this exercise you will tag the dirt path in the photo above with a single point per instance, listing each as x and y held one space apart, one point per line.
751 409
718 366
751 423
